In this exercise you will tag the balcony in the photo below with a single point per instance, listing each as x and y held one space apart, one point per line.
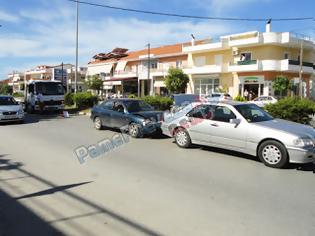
242 66
207 69
204 46
125 74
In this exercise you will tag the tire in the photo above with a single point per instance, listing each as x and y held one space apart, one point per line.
135 130
182 138
273 154
98 123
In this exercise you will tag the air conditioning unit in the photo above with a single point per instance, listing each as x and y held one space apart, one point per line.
235 51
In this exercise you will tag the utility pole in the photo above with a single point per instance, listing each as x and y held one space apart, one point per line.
76 52
301 70
149 67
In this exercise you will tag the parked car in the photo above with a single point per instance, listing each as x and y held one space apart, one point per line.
245 128
264 100
219 97
132 115
10 110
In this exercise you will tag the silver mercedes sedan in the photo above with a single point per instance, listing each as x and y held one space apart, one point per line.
242 127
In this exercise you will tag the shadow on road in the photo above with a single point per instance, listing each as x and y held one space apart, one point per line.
17 220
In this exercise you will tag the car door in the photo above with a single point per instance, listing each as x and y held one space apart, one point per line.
119 117
197 123
225 134
105 112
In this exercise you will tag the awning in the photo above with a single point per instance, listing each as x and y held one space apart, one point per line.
98 69
111 83
159 83
121 66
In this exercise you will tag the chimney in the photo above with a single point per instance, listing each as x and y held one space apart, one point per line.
192 40
268 26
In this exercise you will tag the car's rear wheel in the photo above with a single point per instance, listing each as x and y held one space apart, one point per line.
182 138
98 123
135 130
273 154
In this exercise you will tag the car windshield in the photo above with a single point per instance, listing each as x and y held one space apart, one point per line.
136 106
49 88
7 101
252 113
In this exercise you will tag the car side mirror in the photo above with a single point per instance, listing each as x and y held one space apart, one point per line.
236 122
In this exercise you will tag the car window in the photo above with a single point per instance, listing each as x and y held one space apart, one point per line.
137 106
202 112
118 107
108 105
253 113
223 114
7 101
269 98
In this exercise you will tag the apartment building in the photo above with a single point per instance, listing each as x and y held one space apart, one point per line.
16 80
63 72
133 72
249 61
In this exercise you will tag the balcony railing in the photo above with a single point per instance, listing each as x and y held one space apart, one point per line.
242 63
297 63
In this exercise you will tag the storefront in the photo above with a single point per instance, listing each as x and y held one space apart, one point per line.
206 85
122 86
254 85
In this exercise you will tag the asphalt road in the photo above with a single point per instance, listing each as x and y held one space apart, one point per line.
144 187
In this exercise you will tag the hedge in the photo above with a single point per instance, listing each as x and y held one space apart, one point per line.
69 99
293 109
158 102
85 100
18 94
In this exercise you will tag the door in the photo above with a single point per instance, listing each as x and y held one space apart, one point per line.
105 112
197 123
118 118
224 133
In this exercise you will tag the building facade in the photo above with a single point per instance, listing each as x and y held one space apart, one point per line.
249 61
135 72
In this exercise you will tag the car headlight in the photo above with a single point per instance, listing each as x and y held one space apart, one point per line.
146 122
303 142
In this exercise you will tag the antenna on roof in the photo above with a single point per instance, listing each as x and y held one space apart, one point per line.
192 39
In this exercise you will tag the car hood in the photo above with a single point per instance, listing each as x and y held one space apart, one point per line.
149 114
10 108
288 127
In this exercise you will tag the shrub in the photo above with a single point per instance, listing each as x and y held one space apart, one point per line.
18 94
158 102
176 81
239 98
132 96
293 109
69 99
85 100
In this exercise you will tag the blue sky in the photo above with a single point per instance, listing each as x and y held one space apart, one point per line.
38 32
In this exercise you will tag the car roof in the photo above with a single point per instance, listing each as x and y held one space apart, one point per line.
222 103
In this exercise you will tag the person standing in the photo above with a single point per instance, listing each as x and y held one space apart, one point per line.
41 102
246 94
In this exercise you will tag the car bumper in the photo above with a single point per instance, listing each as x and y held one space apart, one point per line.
301 155
166 130
151 128
50 107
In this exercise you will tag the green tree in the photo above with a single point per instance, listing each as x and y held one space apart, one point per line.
95 83
5 89
176 80
281 84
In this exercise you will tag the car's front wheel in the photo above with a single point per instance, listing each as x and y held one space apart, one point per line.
98 123
182 138
273 154
135 130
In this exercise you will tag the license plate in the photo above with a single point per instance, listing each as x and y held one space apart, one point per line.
10 117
